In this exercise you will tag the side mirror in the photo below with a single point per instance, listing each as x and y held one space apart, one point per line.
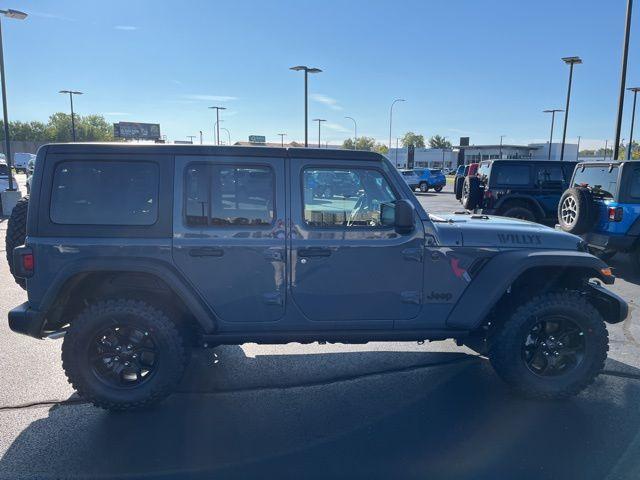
399 214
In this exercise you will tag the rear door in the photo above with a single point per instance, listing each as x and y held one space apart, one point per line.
551 181
229 236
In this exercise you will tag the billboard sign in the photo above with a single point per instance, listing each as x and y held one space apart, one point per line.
257 139
137 131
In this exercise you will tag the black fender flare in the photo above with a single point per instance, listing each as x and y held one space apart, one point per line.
205 317
495 278
539 211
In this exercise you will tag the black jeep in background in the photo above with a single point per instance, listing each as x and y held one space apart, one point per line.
524 189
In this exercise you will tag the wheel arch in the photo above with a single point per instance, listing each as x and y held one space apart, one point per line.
532 272
526 200
148 281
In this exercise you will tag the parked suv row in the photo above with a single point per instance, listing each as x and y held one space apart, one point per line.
424 179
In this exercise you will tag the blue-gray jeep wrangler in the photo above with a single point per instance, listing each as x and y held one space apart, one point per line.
138 253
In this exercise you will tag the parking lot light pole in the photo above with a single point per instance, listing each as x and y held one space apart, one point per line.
391 117
623 78
319 120
501 137
228 134
606 142
635 91
578 154
571 61
282 135
200 137
218 123
553 118
355 131
18 16
73 121
307 71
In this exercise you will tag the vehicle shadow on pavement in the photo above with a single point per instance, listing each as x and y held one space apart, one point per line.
355 414
624 268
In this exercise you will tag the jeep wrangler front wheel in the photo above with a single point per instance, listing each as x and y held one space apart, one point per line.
551 347
123 354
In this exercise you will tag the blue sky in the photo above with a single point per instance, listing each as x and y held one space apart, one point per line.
465 67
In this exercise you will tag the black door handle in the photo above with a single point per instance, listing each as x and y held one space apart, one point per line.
314 252
206 252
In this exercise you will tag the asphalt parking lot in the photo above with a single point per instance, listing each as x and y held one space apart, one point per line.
379 410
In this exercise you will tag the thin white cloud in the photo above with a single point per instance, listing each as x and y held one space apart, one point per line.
332 103
336 127
52 16
177 82
127 28
116 114
209 98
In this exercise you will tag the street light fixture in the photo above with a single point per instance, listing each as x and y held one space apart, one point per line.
228 134
501 137
319 120
571 61
73 121
17 15
553 118
282 135
391 117
307 71
623 78
635 91
218 123
355 131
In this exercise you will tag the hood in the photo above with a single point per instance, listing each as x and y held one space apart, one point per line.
502 232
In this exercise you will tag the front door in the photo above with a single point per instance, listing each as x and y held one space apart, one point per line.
229 235
348 270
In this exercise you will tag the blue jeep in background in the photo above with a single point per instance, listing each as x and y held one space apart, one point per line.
430 178
603 207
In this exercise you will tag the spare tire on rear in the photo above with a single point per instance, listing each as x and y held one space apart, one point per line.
457 187
16 234
577 212
471 193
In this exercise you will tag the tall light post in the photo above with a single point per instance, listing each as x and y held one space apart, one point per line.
307 71
218 123
282 135
501 137
391 117
571 61
605 148
228 134
553 118
73 122
578 154
15 14
635 91
319 120
355 131
200 137
623 78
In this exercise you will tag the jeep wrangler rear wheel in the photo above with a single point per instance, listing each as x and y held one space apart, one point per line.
16 234
520 212
438 188
424 188
551 347
123 354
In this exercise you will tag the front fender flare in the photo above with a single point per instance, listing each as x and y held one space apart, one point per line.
495 278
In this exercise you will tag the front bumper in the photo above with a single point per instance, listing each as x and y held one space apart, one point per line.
606 241
27 321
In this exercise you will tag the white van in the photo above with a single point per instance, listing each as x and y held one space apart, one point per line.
21 161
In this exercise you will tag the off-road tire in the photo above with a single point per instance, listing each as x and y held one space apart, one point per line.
82 331
457 187
438 188
424 187
519 211
16 234
586 210
507 358
471 193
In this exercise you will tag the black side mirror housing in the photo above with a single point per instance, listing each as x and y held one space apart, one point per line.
399 214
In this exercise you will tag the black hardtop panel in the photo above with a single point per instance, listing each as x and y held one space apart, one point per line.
594 163
522 161
211 150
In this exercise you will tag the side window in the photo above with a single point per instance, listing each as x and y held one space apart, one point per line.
602 180
344 198
549 175
634 188
104 193
225 195
512 175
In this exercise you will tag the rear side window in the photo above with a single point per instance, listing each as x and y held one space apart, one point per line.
511 174
550 175
483 170
601 180
104 193
228 195
634 188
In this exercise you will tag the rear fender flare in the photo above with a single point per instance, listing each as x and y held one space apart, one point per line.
528 199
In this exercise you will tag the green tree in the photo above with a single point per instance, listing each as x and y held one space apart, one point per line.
414 139
364 143
438 141
94 128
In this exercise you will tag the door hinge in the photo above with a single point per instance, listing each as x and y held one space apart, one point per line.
411 297
414 254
